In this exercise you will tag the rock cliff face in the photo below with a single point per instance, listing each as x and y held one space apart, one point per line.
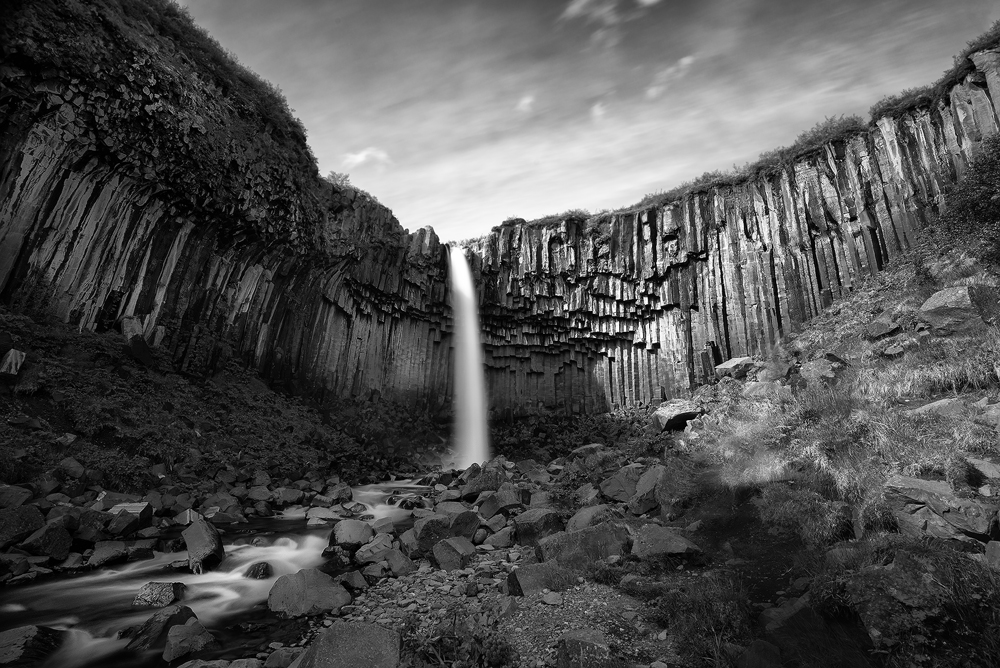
580 316
140 190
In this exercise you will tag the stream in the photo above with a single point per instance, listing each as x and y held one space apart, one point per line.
95 605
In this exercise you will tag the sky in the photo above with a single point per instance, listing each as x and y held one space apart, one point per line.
459 114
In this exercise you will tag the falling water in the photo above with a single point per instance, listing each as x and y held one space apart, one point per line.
470 385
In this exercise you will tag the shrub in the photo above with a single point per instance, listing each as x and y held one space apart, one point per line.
973 211
816 520
457 641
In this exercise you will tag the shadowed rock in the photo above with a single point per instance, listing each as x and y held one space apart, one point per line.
204 546
308 592
352 644
28 646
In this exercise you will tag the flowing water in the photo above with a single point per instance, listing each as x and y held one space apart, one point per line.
96 605
471 437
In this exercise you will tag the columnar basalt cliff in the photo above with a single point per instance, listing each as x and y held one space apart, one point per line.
641 305
149 184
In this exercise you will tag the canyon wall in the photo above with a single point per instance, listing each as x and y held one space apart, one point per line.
141 191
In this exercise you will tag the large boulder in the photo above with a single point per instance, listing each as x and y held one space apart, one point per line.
930 507
159 594
535 524
12 496
351 534
375 550
51 540
352 645
653 540
204 546
644 499
489 480
153 632
591 515
962 308
675 414
427 531
505 499
581 548
533 578
737 367
308 592
622 485
18 523
27 646
454 553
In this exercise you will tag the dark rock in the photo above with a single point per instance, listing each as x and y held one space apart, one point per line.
283 657
351 534
930 507
963 308
159 594
27 646
375 550
581 548
51 540
644 499
399 563
261 570
123 524
465 524
353 644
653 540
427 531
454 553
107 500
18 523
188 638
760 654
308 592
880 328
506 499
591 515
502 538
535 524
353 580
204 546
489 480
153 632
621 486
583 648
12 496
533 578
675 414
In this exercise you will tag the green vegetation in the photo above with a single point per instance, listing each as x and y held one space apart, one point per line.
456 641
972 216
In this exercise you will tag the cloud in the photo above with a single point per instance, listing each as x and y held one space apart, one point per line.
646 3
525 104
665 77
604 13
598 112
372 154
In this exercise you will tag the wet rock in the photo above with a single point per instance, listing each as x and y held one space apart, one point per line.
27 646
535 524
18 523
159 594
351 534
353 644
582 648
674 414
653 540
153 632
51 540
260 570
204 546
454 553
340 493
308 592
581 548
12 496
533 578
188 638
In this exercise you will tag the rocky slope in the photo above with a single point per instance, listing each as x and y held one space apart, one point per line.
148 184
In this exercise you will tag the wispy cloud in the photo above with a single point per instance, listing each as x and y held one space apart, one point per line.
598 111
372 155
665 77
525 104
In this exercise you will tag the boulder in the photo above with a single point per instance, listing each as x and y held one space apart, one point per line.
351 534
644 499
824 370
12 496
18 523
930 507
880 328
123 524
505 499
204 546
963 308
454 553
427 531
108 552
153 632
28 645
283 657
260 570
581 548
591 515
489 480
51 540
159 594
583 648
72 468
737 367
675 414
653 540
399 563
622 485
502 538
374 550
107 500
535 524
533 578
141 510
465 524
308 592
354 645
188 638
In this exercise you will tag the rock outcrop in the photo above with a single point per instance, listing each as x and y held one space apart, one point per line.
139 192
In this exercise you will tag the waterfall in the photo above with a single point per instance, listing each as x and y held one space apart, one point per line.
471 437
